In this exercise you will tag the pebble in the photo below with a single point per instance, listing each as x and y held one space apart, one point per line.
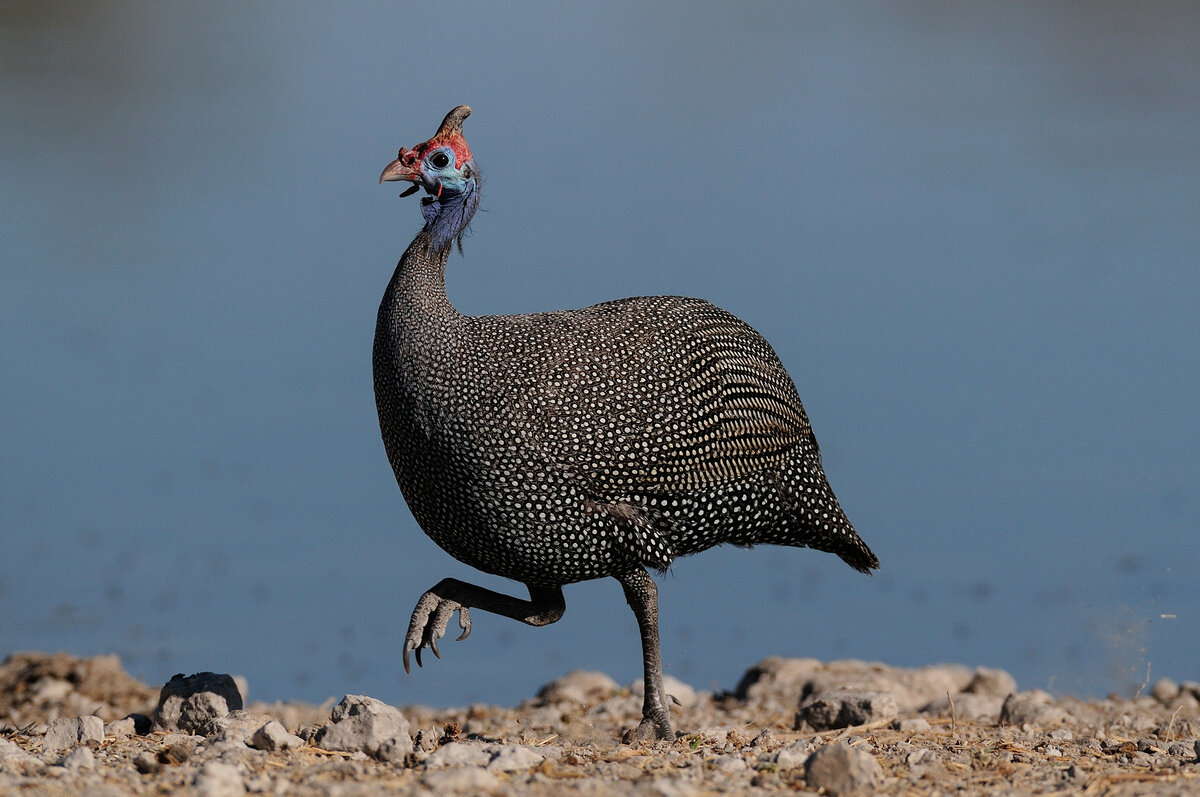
79 758
913 725
63 733
513 758
363 723
579 686
467 780
991 681
217 779
832 710
11 754
187 703
1034 707
273 737
457 754
1164 690
839 769
794 755
730 763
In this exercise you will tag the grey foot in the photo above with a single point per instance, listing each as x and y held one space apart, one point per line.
428 624
654 729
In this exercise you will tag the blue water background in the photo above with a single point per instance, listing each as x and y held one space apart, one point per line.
971 231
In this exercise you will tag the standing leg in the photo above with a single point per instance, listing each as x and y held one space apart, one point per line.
642 595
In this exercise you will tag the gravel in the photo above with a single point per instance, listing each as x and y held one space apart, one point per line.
931 730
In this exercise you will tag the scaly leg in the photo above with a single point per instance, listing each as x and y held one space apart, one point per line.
438 605
642 595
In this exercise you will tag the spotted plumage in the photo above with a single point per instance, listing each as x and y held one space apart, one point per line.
557 447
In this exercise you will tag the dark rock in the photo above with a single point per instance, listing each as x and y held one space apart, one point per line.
1034 707
832 710
188 703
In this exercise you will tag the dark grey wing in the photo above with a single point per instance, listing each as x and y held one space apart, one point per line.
686 397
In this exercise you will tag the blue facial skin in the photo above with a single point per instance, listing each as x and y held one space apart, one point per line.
453 196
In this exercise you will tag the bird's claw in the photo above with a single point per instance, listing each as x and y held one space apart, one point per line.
428 624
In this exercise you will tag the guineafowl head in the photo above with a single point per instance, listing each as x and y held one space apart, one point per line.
444 167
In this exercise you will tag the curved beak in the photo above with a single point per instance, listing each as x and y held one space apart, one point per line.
402 169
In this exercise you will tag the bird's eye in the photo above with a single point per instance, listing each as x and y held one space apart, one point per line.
440 160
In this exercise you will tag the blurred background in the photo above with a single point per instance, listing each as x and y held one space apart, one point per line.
970 231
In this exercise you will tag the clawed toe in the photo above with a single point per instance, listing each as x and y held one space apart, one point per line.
428 625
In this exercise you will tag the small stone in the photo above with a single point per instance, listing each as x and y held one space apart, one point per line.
1062 735
921 756
147 763
1034 707
832 710
967 705
217 779
840 769
395 750
513 758
13 757
188 703
579 686
1185 750
79 758
1164 690
456 754
363 723
913 725
426 741
273 737
63 733
466 780
236 727
765 738
991 681
121 728
730 763
794 755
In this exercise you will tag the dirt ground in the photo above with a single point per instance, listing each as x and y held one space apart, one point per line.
942 729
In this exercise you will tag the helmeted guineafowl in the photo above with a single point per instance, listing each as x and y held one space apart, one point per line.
558 447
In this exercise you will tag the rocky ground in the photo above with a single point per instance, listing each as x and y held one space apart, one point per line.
83 726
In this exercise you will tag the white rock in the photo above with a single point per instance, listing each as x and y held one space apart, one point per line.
794 755
363 723
839 769
216 779
79 758
579 686
14 758
63 733
465 780
513 758
273 737
457 754
729 763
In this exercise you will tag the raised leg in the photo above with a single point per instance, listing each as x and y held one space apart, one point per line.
642 595
438 605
